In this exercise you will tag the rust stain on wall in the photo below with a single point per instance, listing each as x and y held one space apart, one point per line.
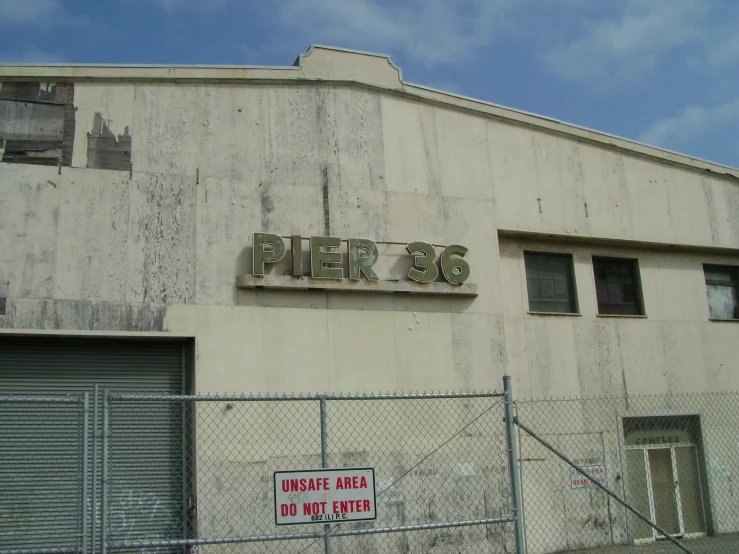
105 150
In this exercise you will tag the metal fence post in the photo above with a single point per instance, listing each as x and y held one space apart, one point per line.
104 485
83 500
513 465
324 464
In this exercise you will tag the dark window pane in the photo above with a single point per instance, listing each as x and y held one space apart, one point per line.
549 282
561 290
533 288
616 286
547 289
545 268
628 293
561 266
601 291
717 276
614 293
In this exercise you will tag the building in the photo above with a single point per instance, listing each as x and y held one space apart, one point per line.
154 222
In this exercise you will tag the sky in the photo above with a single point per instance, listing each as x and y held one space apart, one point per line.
664 72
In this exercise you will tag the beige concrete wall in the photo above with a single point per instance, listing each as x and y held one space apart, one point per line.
214 163
674 348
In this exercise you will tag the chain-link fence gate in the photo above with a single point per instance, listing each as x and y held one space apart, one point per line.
440 462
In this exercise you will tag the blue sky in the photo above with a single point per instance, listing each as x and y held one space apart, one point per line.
665 72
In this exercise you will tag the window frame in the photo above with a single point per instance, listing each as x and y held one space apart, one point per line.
539 251
732 269
637 284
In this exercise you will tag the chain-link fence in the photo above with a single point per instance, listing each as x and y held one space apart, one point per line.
43 465
674 459
143 473
199 471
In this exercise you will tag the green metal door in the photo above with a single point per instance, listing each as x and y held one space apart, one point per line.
40 467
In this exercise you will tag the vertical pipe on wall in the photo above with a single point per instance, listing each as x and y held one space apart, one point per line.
83 495
513 465
324 464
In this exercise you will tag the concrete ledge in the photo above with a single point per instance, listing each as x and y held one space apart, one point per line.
287 282
591 241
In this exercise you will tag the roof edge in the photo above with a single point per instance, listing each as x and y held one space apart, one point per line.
578 132
350 71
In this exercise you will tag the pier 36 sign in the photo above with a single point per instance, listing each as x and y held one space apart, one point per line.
446 274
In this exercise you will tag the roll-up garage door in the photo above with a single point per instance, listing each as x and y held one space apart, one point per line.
40 444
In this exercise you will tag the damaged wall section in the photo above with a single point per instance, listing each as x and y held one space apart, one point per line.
37 123
104 150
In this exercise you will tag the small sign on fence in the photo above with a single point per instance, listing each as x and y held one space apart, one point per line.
324 496
594 473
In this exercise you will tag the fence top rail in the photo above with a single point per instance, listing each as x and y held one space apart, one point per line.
300 397
645 396
41 399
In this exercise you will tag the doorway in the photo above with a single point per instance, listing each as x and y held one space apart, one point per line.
665 485
666 478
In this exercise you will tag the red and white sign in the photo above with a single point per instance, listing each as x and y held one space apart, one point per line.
324 496
594 473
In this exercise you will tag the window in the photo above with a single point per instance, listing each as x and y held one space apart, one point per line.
550 283
721 286
617 286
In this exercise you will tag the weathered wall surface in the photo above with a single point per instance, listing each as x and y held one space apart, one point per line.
158 247
150 226
673 349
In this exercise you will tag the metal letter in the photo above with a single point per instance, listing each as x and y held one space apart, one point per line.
318 257
456 271
297 252
358 264
261 256
429 271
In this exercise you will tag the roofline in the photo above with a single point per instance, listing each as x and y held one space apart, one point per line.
258 74
605 135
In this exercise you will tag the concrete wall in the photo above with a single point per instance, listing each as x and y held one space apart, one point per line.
157 248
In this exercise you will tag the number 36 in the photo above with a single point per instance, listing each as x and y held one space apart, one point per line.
454 269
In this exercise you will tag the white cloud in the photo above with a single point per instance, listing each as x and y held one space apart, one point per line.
172 5
630 44
692 123
28 12
721 52
431 31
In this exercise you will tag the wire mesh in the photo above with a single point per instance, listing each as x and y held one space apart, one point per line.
673 458
40 474
198 471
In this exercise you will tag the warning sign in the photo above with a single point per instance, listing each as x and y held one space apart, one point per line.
594 473
324 496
